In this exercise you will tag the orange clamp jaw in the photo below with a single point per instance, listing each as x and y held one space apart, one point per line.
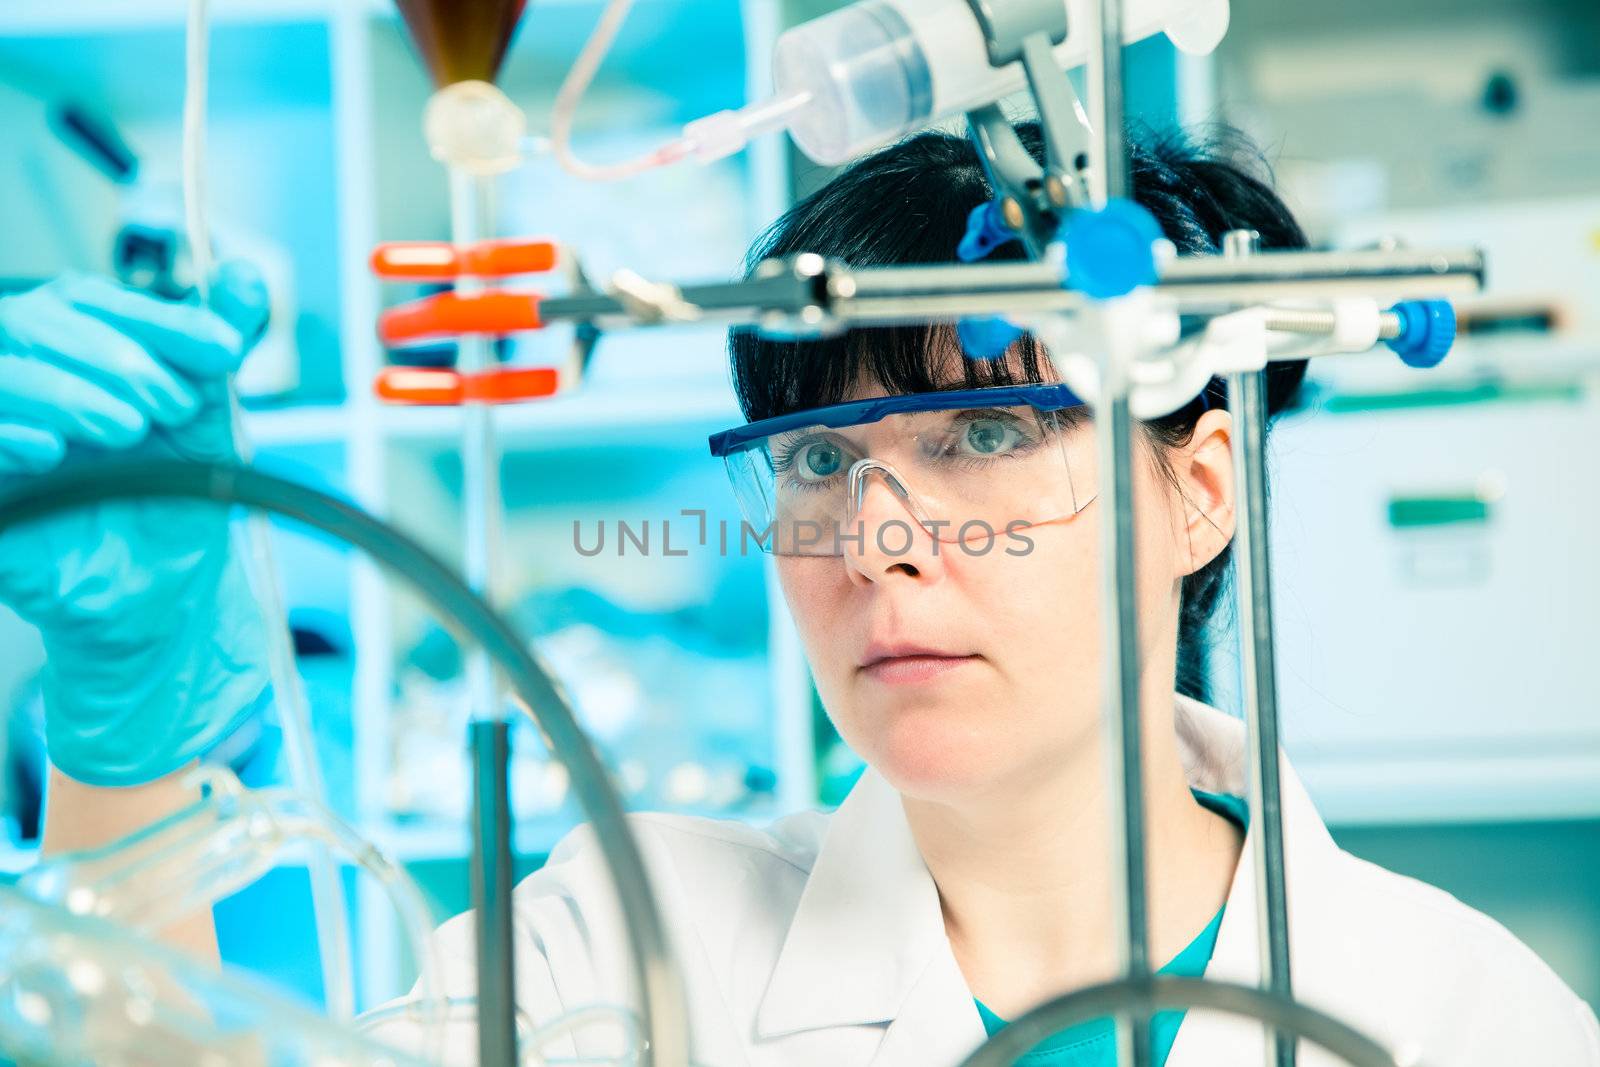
442 387
439 261
452 314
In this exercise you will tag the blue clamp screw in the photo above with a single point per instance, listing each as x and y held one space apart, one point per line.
985 336
1427 331
987 230
1110 251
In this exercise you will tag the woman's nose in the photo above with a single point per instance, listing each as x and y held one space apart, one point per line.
883 532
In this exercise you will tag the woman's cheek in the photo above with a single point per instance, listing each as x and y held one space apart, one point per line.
815 591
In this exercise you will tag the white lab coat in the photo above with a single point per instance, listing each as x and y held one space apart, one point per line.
818 942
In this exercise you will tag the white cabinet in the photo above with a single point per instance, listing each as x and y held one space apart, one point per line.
1436 581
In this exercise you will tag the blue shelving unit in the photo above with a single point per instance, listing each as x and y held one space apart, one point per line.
315 145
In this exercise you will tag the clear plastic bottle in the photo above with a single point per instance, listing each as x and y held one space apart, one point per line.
879 69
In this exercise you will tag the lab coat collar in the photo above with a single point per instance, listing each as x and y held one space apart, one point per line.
867 944
867 926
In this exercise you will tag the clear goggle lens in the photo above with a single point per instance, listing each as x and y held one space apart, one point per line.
962 475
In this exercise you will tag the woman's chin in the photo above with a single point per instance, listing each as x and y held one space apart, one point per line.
932 758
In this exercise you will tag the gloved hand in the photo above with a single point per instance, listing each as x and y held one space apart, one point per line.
155 645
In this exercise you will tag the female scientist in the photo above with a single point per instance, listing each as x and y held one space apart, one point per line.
935 540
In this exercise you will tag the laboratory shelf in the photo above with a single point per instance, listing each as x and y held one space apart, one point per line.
310 424
602 413
56 17
316 155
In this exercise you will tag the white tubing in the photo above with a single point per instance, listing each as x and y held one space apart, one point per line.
571 93
196 61
305 772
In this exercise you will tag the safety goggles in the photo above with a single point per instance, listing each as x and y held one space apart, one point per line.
968 466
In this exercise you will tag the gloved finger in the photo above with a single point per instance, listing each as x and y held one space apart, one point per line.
51 329
28 449
239 294
62 402
194 340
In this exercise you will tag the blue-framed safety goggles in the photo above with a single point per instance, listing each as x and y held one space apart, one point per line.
968 466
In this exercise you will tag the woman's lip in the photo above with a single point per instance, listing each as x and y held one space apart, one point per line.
911 670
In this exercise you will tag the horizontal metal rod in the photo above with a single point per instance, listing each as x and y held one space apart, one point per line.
1327 266
1183 271
1219 296
807 294
943 278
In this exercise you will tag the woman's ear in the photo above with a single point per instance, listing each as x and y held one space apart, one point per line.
1203 469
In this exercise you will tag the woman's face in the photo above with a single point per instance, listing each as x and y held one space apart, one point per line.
956 674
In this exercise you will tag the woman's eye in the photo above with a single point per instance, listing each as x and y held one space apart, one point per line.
819 460
990 437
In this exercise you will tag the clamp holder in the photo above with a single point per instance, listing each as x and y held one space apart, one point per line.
490 311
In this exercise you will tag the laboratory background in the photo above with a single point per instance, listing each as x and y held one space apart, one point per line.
1434 535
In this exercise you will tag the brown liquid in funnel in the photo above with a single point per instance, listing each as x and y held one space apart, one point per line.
462 40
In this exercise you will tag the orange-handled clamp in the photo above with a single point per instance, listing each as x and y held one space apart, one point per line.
440 386
439 261
492 311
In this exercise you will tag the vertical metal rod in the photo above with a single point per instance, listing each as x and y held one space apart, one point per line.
1259 685
490 741
1106 103
471 211
1114 431
1122 719
1247 404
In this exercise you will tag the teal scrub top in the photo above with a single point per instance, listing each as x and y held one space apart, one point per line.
1094 1043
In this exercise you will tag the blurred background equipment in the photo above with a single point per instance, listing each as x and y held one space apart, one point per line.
1434 606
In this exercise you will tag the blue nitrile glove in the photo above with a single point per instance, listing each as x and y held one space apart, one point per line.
155 645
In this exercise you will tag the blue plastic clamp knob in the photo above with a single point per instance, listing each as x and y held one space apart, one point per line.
986 231
986 336
1427 331
1111 251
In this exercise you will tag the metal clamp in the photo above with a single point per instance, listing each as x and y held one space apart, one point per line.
1033 198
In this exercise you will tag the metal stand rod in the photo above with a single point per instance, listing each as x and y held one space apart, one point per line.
1319 267
1114 428
1247 403
1124 748
491 891
489 739
471 208
810 294
1106 98
1253 573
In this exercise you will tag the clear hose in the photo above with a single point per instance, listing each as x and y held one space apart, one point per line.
571 93
329 906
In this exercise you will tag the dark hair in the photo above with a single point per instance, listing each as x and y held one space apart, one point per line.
909 203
